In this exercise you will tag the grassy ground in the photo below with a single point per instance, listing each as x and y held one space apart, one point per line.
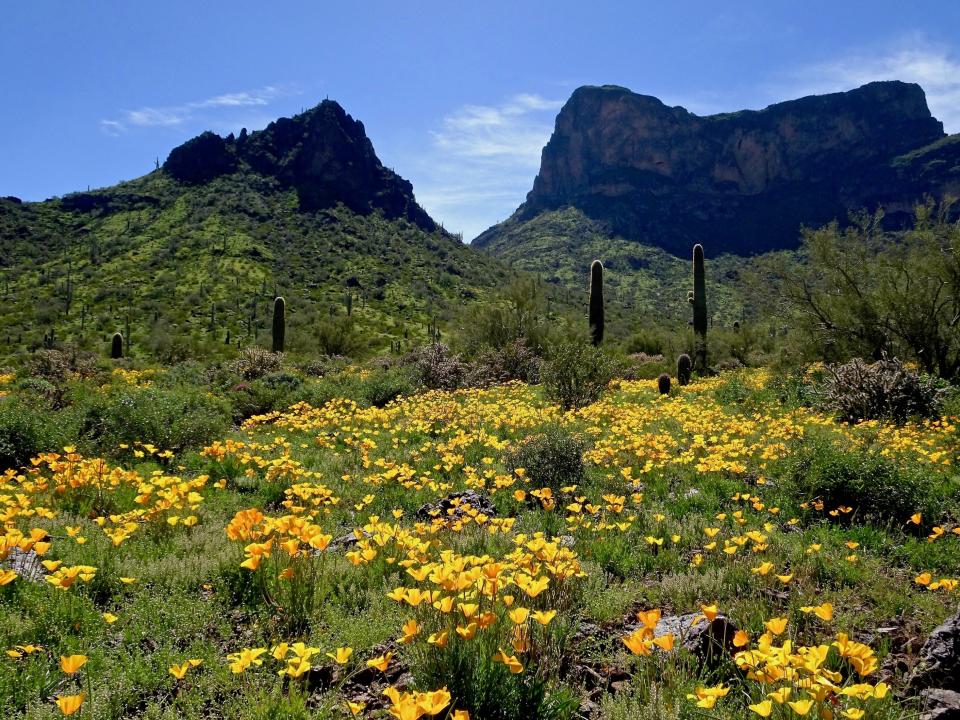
726 496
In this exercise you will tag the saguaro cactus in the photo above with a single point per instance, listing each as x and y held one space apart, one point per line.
596 302
699 309
116 346
279 324
684 366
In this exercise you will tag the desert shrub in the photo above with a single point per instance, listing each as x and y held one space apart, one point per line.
27 429
38 388
951 402
640 366
793 389
885 390
514 361
324 365
438 368
168 346
552 458
190 372
377 388
646 342
878 489
287 382
519 313
338 336
577 374
386 385
275 391
174 418
255 362
59 365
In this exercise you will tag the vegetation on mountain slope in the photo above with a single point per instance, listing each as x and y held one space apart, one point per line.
179 268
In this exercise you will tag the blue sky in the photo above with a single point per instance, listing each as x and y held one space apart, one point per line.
457 97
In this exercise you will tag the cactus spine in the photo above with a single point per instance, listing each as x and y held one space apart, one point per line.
596 302
699 309
116 346
279 324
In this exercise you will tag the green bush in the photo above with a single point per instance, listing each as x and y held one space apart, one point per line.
877 489
27 429
171 419
577 374
338 336
648 342
552 458
385 386
378 388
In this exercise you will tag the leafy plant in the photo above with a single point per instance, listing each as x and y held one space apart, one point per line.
577 374
552 458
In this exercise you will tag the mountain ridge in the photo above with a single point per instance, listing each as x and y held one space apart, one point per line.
741 182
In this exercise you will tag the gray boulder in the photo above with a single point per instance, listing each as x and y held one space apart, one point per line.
939 665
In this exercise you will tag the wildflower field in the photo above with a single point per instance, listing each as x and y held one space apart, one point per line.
722 551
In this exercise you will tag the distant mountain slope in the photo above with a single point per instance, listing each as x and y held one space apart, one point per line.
642 282
197 249
739 182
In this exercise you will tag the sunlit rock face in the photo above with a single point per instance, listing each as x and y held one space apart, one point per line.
741 182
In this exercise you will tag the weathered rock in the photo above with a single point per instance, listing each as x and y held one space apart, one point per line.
940 704
346 541
708 640
455 506
323 154
939 665
741 182
26 564
201 159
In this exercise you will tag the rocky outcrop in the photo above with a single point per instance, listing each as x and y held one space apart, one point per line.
939 665
740 182
323 154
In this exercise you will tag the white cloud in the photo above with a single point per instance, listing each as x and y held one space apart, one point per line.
482 161
917 60
209 110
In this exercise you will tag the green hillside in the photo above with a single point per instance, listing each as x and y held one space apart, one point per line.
640 279
183 265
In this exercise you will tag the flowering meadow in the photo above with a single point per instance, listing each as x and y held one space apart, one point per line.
482 553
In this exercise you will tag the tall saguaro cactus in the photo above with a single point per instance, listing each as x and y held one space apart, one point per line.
596 302
699 309
116 346
279 324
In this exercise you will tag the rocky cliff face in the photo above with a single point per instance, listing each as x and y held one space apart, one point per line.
739 182
324 154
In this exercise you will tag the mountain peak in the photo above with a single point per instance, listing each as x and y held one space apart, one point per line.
323 153
739 182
